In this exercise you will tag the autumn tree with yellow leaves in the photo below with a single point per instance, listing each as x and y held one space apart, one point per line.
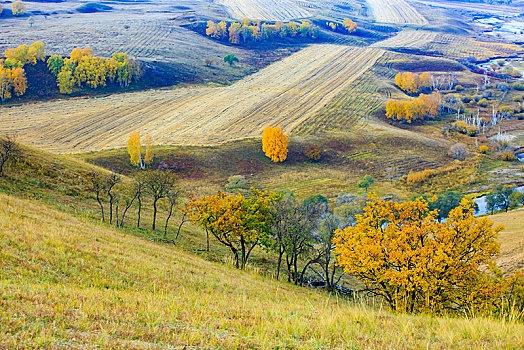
274 144
417 264
349 25
237 222
136 150
413 83
18 8
424 107
12 81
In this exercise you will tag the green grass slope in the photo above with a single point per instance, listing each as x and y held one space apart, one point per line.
67 282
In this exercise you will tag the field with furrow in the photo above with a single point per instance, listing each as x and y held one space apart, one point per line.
456 47
395 11
267 10
284 94
407 38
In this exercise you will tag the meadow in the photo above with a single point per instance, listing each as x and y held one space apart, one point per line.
68 282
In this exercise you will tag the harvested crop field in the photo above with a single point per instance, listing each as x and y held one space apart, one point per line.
456 47
267 10
284 94
395 11
407 38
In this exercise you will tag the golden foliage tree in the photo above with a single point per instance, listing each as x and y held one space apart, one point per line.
12 80
423 107
403 254
18 8
19 81
135 150
6 83
274 144
413 83
237 222
349 25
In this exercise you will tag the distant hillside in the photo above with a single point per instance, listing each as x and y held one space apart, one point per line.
68 282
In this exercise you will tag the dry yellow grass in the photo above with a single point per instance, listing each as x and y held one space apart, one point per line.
284 94
67 282
407 38
511 239
267 10
395 11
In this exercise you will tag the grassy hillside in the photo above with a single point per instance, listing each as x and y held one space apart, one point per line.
511 239
67 282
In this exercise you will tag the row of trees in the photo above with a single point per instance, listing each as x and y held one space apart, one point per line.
403 252
413 83
255 30
154 185
423 107
84 68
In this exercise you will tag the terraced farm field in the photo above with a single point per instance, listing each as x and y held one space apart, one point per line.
395 11
286 94
407 38
268 10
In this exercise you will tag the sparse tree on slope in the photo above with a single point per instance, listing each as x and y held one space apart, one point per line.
274 144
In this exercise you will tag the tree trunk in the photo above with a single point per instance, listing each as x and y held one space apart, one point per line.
116 212
110 209
139 211
280 253
125 211
207 237
101 206
168 217
154 214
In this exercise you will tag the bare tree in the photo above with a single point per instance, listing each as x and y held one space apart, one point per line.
172 196
130 194
97 185
112 181
9 151
158 184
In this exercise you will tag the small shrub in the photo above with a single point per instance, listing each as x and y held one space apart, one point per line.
477 98
466 99
236 182
313 152
517 99
503 87
483 149
506 111
483 103
518 86
459 88
508 157
458 151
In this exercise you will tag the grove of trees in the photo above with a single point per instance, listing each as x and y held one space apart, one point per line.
12 74
423 107
84 68
413 83
255 30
